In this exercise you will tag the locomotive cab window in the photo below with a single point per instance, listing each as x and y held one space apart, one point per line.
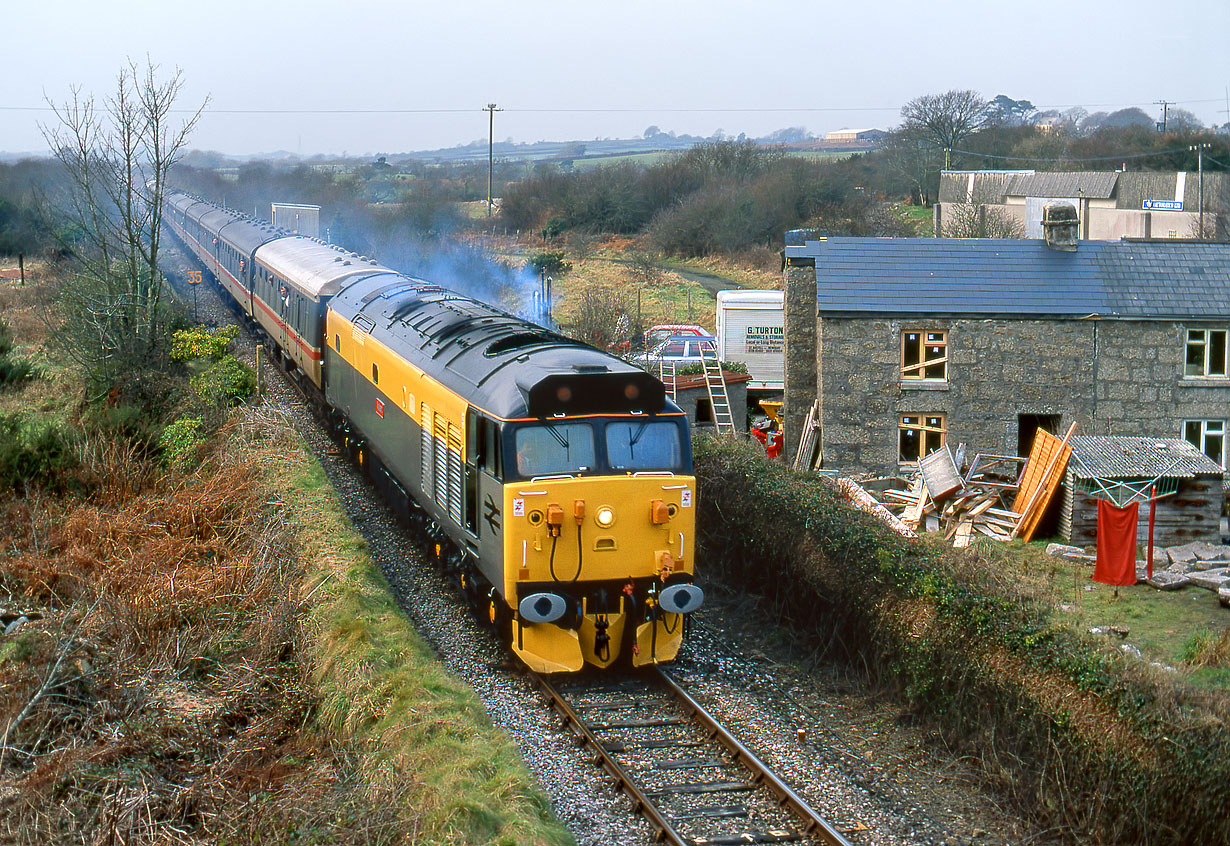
554 448
643 445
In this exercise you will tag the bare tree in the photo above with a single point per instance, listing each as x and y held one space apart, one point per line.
605 319
916 159
946 119
117 157
967 220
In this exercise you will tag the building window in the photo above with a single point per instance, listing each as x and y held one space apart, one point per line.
924 355
919 435
1206 352
1208 436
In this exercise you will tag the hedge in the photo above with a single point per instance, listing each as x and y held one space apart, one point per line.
1086 740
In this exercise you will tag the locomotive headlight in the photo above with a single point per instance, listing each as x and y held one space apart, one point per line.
605 516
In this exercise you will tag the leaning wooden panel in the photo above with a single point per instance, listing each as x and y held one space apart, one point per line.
1043 474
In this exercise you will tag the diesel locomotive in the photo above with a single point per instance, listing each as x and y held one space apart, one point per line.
553 480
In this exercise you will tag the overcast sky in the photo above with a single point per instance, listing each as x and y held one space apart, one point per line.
583 70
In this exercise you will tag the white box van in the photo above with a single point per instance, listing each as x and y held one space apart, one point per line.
750 329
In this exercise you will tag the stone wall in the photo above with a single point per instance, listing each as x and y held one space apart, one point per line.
801 328
1111 377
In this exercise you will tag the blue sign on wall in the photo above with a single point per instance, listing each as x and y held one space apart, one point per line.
1164 205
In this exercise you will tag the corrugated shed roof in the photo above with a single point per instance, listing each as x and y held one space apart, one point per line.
1118 457
979 186
1137 186
1084 183
1013 277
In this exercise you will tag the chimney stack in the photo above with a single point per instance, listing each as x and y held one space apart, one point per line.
1060 225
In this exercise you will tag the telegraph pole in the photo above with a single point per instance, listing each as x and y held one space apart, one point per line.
1165 104
1199 149
491 110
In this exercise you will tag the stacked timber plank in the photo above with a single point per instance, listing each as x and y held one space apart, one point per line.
939 498
995 497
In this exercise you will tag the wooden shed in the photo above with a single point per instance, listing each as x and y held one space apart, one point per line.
1189 485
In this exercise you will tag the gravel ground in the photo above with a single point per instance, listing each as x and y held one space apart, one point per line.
878 779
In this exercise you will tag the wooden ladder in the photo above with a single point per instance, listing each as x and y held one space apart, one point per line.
666 374
719 400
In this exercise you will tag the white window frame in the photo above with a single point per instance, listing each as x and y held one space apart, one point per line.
1204 429
1201 343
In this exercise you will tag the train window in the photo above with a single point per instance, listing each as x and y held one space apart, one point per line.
375 373
491 455
337 342
554 448
643 445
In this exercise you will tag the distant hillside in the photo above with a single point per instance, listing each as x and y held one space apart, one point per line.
476 151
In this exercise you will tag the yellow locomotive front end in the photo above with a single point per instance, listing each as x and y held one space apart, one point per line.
598 542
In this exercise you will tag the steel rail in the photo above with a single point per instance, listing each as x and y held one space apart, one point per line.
623 781
813 823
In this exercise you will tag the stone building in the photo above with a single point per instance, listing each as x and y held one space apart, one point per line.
910 343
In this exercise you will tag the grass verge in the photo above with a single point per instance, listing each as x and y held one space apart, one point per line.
210 656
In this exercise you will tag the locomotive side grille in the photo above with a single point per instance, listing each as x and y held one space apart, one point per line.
427 470
440 443
454 473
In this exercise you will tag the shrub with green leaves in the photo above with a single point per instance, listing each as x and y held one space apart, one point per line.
201 342
33 453
6 339
180 441
13 371
227 381
550 262
695 368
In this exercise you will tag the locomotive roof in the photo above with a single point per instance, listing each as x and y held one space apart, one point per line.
511 368
318 268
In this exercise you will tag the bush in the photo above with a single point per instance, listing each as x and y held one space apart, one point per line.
550 262
200 342
694 368
6 339
227 381
14 371
33 454
180 441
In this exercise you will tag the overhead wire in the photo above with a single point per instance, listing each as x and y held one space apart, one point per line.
1119 157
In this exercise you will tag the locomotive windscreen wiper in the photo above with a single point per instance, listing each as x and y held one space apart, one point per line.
559 436
636 436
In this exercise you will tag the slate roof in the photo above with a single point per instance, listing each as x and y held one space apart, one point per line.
1116 457
1013 277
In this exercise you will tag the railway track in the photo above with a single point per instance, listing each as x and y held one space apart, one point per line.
688 776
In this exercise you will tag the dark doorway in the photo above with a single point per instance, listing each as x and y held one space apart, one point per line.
1027 426
704 412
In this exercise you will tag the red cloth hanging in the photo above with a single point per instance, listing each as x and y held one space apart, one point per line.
1116 544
